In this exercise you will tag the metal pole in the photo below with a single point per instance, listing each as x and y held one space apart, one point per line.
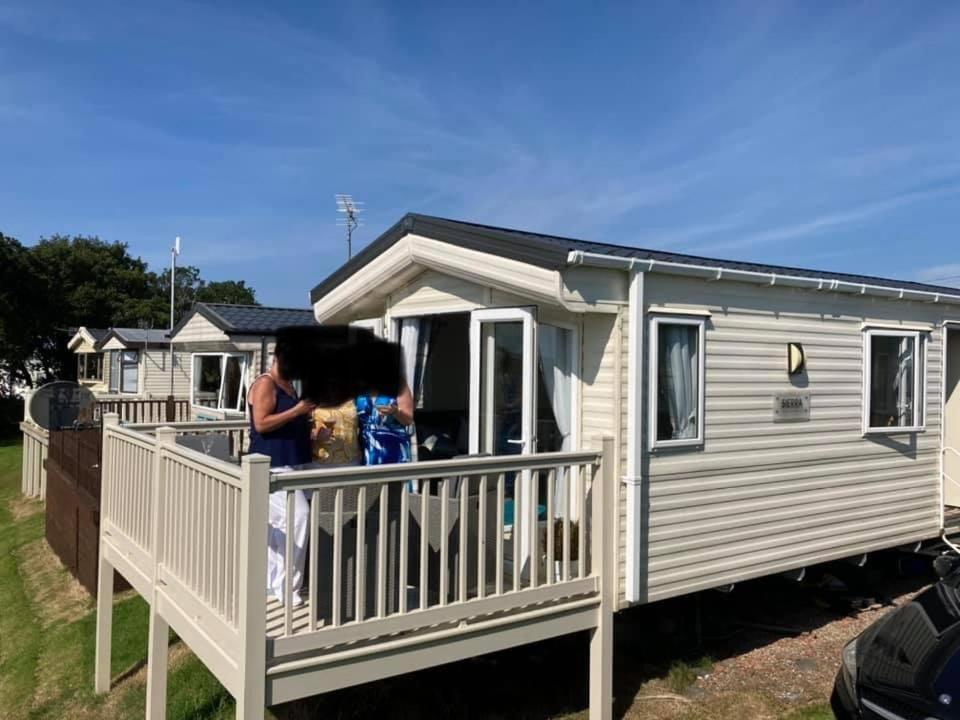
174 251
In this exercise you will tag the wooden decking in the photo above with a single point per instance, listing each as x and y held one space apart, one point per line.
409 566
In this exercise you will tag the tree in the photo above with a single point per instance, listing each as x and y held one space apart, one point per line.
64 282
234 292
23 299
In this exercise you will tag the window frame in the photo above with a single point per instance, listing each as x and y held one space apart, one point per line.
84 361
244 359
654 323
123 363
919 379
114 384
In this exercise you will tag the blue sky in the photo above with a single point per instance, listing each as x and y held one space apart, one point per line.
812 134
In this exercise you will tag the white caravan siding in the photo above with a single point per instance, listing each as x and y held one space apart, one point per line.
432 292
759 497
199 329
156 369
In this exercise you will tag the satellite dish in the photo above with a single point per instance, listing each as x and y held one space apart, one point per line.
62 404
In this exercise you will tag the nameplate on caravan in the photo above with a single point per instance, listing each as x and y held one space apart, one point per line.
791 407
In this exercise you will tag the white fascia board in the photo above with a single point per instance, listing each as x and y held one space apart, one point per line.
579 257
386 273
114 343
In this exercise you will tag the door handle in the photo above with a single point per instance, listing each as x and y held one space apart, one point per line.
516 442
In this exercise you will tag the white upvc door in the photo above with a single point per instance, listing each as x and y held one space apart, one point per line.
503 388
503 398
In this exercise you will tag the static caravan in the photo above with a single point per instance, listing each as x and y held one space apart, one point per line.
224 348
91 369
764 418
137 364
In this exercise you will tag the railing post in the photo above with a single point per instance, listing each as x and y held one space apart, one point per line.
602 527
254 515
171 409
25 488
101 682
158 644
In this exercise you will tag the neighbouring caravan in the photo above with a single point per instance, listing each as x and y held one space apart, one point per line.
224 348
764 418
128 362
91 368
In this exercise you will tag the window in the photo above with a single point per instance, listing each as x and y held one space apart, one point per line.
892 381
129 371
219 381
676 381
90 366
114 371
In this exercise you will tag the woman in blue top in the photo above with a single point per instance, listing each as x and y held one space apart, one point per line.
280 429
384 427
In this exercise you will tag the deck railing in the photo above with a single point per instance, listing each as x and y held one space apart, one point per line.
144 410
233 435
36 440
398 548
399 558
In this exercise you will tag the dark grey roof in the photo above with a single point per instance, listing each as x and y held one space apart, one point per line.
98 334
550 251
248 319
137 336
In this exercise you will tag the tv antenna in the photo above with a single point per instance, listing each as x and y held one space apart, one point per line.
350 209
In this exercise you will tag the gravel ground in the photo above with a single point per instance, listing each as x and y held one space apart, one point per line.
772 647
766 650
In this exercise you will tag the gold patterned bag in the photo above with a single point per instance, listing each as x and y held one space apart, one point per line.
343 447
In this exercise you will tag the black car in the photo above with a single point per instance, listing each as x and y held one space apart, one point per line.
907 664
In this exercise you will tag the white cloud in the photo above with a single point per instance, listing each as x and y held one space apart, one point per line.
948 274
833 220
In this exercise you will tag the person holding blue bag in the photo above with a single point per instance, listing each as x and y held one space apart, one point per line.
385 427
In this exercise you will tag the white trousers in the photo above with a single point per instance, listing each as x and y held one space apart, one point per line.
277 542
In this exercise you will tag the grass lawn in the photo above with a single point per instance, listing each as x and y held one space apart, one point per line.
47 632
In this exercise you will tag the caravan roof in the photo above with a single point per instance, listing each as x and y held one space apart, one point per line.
552 251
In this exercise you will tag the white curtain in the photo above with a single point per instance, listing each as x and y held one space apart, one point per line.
423 350
409 340
554 349
903 383
679 381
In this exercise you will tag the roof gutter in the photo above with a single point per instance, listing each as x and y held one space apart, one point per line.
579 257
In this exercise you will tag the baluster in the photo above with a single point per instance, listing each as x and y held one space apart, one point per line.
464 507
404 544
288 566
566 531
224 549
534 526
482 537
515 530
582 520
500 503
382 554
207 525
195 531
551 488
424 540
314 553
360 585
230 553
235 504
337 553
444 539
